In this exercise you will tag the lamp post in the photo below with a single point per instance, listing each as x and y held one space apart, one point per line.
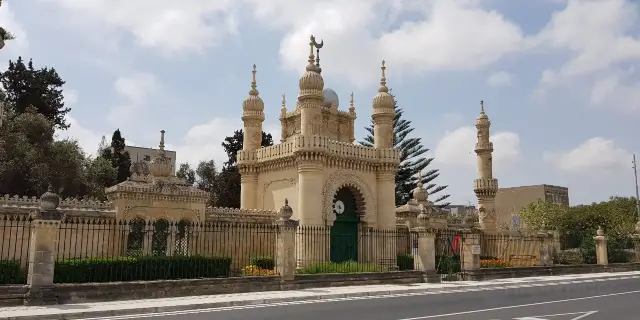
635 174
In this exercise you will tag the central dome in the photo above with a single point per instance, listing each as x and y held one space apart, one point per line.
330 98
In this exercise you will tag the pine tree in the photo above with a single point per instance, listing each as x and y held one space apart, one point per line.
119 158
412 161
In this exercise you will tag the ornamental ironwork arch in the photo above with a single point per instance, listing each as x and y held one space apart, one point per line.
366 207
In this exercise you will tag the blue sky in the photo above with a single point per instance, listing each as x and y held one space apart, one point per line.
559 78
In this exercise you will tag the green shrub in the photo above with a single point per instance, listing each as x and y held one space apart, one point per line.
448 264
341 267
140 268
266 263
617 249
405 261
11 272
588 250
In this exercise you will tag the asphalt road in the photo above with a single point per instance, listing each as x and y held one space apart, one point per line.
610 300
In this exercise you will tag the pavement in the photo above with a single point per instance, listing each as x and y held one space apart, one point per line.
587 296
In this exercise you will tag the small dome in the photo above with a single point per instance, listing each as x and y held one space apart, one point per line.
330 98
253 103
383 100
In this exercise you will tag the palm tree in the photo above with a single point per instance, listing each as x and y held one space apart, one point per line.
411 162
5 35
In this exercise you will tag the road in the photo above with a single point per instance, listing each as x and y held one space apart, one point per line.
610 300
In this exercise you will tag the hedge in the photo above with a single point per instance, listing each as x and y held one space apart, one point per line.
405 262
11 272
140 268
341 267
266 263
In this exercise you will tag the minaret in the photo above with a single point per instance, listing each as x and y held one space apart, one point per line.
383 115
283 114
485 187
310 163
252 117
310 97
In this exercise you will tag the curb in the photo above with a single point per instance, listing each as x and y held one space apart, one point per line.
241 303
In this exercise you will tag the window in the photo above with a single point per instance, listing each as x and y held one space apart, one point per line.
135 238
147 158
160 237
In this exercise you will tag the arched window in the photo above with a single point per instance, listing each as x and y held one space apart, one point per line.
182 236
160 237
135 238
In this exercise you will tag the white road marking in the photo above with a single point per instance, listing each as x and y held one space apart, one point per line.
579 315
397 295
522 305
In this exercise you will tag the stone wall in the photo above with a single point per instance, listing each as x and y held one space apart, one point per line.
94 292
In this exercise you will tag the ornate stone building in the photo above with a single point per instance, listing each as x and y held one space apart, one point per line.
327 179
485 186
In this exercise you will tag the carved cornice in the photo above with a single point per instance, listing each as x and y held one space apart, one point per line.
65 204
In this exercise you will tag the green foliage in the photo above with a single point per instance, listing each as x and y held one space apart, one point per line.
140 268
341 267
542 215
11 272
120 159
233 144
405 262
6 35
267 263
412 161
448 264
187 173
100 174
25 87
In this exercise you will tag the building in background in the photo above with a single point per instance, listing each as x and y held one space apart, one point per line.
509 201
460 210
138 154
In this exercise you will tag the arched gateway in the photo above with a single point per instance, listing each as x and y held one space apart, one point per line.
344 232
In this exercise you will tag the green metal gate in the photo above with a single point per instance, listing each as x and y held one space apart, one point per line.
344 232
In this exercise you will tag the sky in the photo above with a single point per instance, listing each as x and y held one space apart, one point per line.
559 78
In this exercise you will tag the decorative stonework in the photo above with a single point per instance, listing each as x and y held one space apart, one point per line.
366 201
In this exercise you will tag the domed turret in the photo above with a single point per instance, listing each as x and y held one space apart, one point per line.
383 100
419 193
311 82
253 102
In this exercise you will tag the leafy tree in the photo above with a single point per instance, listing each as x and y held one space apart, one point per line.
542 215
187 173
4 36
412 162
227 188
100 174
207 174
233 144
25 86
30 159
119 158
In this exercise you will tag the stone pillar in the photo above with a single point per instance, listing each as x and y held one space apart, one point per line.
602 257
386 222
248 188
546 248
425 260
313 241
43 251
285 243
470 257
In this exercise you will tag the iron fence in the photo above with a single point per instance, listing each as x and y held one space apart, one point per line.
15 232
510 250
323 250
99 250
448 245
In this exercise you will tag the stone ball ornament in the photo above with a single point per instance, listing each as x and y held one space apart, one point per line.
49 200
330 98
286 211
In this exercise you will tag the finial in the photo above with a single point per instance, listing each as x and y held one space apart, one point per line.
254 90
284 102
481 106
162 140
351 103
420 179
383 80
311 66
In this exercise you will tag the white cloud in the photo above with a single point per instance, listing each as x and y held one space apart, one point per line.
616 91
134 89
87 139
456 148
449 34
593 156
19 45
170 27
70 97
595 32
204 141
499 79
